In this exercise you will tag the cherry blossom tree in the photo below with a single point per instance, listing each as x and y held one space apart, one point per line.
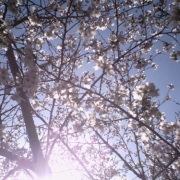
73 89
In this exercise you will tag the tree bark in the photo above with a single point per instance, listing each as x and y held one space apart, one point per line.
41 167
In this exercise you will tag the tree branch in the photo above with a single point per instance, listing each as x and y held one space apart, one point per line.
21 162
80 162
114 151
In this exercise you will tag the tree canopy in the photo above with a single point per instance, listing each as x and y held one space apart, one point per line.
74 94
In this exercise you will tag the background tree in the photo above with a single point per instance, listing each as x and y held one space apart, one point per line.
73 88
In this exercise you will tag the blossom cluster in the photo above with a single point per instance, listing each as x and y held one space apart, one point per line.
175 13
4 76
145 90
103 63
13 6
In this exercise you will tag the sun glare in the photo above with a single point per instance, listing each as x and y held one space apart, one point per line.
64 170
60 171
62 176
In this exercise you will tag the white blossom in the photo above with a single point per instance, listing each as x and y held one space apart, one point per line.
171 86
175 13
4 76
